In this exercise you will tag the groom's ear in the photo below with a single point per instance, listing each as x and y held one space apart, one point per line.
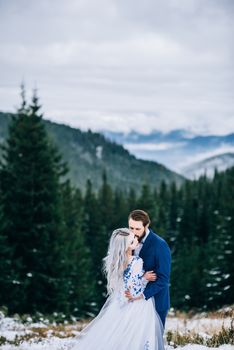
146 226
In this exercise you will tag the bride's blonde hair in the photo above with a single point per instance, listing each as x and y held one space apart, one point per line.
116 259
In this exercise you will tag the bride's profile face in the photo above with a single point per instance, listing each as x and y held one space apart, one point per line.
133 241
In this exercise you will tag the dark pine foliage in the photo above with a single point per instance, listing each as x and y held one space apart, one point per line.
53 237
31 224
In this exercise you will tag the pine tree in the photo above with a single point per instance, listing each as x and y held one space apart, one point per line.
92 220
173 215
216 269
6 272
105 211
78 260
145 201
120 209
131 200
185 278
203 209
228 202
162 210
218 280
29 177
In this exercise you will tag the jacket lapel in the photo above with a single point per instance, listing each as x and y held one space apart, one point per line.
146 244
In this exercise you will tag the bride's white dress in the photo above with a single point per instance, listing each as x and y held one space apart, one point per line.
124 325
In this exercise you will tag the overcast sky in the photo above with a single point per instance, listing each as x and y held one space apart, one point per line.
122 64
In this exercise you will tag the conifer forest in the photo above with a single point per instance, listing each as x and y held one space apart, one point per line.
53 236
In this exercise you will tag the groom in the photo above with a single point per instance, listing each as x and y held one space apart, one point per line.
157 257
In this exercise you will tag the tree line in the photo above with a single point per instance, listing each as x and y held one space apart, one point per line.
53 237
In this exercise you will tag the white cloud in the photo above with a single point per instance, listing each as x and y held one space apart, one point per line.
162 146
108 64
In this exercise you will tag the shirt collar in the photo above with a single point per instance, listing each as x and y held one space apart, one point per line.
146 235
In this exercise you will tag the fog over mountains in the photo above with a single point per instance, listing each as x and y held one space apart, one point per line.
180 150
158 155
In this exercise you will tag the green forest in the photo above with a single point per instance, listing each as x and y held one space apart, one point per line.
53 236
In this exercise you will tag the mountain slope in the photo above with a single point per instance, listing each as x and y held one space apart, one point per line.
90 154
209 165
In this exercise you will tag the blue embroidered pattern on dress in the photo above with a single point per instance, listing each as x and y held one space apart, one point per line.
133 277
146 346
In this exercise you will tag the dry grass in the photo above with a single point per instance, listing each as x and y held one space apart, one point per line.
218 314
38 333
224 336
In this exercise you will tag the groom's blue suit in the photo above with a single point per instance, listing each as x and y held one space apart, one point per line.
156 256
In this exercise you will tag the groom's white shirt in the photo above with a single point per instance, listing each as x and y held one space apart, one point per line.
140 245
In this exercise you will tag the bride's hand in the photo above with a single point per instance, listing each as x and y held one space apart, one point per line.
150 276
131 298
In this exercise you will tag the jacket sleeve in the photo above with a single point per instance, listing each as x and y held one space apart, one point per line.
163 272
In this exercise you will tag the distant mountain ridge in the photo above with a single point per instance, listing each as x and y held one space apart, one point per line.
177 150
208 166
89 154
177 135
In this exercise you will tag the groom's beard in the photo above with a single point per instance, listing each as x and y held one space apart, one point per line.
142 237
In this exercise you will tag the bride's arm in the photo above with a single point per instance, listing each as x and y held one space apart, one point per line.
137 282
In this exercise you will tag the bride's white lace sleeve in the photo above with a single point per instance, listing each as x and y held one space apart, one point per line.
134 279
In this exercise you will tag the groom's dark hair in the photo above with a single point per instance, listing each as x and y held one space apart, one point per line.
139 215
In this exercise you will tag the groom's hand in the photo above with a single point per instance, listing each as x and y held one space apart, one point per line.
150 276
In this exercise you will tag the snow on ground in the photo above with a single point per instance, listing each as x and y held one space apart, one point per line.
202 326
62 344
202 347
41 336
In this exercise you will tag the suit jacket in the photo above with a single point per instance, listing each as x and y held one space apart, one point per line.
157 256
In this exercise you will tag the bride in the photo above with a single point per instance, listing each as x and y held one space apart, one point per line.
123 324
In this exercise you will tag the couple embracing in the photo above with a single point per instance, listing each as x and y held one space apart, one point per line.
137 267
